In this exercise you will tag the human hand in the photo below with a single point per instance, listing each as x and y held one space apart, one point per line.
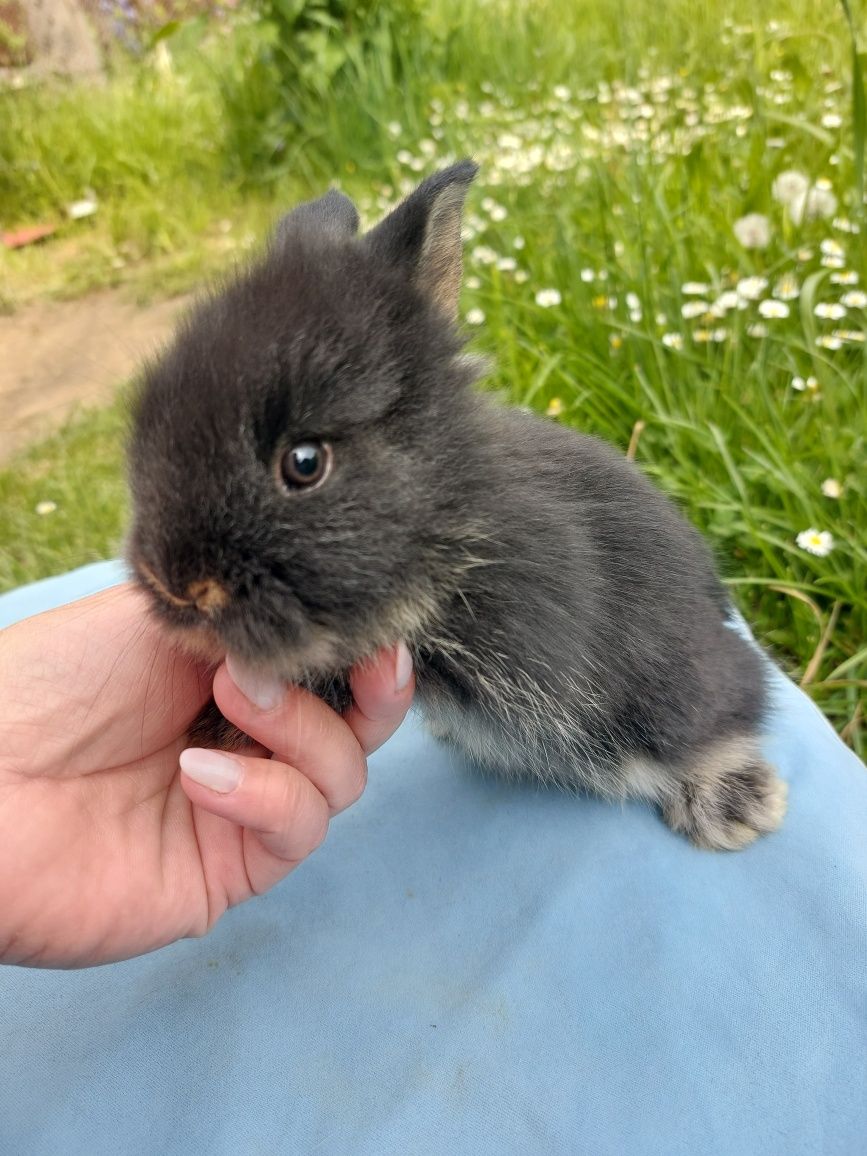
106 850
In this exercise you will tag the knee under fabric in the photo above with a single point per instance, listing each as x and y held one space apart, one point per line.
467 966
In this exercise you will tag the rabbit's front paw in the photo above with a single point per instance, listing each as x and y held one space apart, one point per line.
727 798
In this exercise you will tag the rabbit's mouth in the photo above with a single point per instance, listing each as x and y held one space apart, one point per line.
204 625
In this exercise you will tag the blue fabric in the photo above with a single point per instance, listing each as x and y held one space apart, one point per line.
471 967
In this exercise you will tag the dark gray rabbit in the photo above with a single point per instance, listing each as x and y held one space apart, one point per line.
314 477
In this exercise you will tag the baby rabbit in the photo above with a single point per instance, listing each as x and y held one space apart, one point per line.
314 478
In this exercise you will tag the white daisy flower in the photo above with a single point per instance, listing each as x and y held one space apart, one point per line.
498 213
801 383
752 288
831 488
672 340
394 129
521 275
694 289
833 262
587 275
830 310
507 264
691 309
846 277
787 288
518 243
818 542
475 317
633 302
845 225
484 255
731 299
703 336
473 283
759 329
44 508
830 341
854 299
548 297
831 120
832 248
773 309
849 336
753 231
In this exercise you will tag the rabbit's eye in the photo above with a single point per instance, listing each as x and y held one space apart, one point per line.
306 464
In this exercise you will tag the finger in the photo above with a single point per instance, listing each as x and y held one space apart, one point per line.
382 693
278 803
300 729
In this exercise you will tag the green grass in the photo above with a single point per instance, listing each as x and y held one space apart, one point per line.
726 102
80 471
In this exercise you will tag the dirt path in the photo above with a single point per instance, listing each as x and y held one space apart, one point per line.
57 355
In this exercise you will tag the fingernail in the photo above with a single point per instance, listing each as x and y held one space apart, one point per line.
263 690
212 769
402 667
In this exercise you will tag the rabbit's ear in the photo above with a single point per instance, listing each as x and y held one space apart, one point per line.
423 234
334 213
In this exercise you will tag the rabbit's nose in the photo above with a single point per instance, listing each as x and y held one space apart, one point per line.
208 595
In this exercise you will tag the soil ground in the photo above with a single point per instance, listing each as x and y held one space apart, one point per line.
56 356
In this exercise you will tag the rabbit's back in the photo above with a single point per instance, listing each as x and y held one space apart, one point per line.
595 629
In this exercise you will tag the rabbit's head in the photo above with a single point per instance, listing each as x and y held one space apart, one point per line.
300 453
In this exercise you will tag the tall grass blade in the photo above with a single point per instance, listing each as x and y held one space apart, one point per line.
859 110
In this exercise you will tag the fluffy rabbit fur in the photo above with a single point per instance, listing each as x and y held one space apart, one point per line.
565 621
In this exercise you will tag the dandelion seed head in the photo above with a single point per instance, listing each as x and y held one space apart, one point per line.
789 185
753 231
